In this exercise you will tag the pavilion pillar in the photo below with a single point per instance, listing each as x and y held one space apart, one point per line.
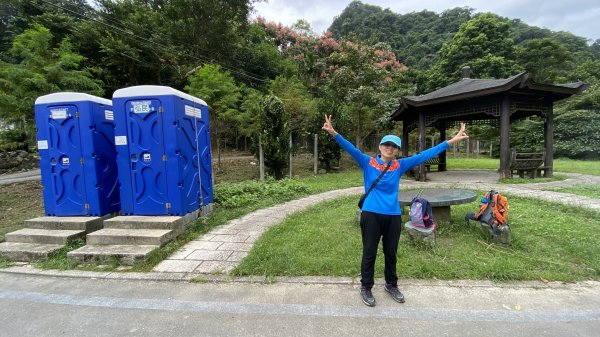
422 171
504 138
442 156
549 142
405 138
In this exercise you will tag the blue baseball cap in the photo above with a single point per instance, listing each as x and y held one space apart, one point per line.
392 139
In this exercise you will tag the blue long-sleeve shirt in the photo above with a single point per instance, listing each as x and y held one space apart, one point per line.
383 199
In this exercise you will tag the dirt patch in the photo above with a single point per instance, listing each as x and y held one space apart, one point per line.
19 202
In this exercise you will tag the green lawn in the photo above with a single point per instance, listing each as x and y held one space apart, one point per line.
592 191
325 240
560 165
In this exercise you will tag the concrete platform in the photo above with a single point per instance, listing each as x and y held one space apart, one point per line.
88 224
126 236
125 254
41 236
132 238
44 236
176 223
27 252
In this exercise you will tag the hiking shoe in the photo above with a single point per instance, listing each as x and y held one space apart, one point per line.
367 296
394 292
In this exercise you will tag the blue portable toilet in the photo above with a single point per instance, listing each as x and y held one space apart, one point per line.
163 151
75 139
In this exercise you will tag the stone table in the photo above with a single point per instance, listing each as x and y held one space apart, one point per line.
440 199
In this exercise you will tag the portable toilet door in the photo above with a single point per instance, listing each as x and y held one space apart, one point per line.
140 146
205 160
191 159
73 145
62 175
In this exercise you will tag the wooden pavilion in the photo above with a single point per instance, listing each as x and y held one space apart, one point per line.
500 101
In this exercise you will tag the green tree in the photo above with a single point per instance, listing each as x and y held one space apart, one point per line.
164 42
577 120
274 134
249 114
59 16
219 90
329 151
42 68
296 101
262 57
483 44
547 60
363 79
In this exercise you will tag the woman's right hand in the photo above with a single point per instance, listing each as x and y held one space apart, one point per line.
327 126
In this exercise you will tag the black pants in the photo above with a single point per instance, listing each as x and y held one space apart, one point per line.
373 227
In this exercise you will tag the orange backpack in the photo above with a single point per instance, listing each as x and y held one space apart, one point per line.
496 206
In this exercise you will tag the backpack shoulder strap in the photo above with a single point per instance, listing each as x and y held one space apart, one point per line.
500 209
484 206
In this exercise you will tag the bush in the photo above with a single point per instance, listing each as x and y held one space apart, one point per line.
13 146
12 140
248 192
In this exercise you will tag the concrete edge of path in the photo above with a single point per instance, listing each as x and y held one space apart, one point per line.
26 269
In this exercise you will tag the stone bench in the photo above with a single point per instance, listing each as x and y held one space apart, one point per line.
435 161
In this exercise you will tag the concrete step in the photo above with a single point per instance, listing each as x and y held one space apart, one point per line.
125 254
44 236
123 236
27 252
87 223
175 223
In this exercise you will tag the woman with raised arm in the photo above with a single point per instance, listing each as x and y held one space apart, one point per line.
381 213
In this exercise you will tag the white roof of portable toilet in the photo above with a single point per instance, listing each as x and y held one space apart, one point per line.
64 97
155 90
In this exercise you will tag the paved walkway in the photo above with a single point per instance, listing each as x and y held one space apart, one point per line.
20 177
223 248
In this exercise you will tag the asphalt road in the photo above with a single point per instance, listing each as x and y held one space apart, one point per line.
37 305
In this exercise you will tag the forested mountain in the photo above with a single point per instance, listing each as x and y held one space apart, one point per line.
415 37
418 37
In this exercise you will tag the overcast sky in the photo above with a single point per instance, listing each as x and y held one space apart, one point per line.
580 17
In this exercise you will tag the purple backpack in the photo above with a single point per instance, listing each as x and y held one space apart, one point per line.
421 214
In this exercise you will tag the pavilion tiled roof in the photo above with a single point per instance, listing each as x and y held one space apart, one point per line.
471 88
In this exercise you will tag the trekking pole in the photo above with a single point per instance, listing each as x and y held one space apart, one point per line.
418 194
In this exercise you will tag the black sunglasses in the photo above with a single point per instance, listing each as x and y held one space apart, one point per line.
390 144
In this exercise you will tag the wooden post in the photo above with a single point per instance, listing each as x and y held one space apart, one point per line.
454 150
505 138
477 147
405 139
468 145
261 159
549 142
316 153
291 153
491 143
442 166
422 171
